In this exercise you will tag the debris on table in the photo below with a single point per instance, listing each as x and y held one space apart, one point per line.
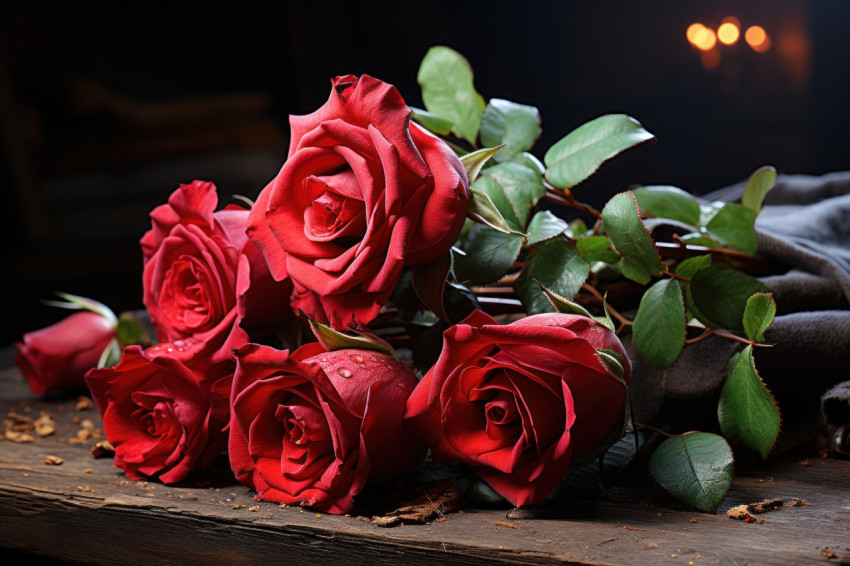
745 512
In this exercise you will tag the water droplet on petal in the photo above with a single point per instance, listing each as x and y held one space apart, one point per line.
356 358
170 350
344 372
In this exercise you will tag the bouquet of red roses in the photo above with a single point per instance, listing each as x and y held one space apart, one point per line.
408 283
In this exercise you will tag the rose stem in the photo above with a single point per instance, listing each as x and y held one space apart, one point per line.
565 198
642 426
724 334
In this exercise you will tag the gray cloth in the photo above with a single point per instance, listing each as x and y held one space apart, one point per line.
804 228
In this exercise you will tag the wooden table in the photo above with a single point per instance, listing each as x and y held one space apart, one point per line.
86 510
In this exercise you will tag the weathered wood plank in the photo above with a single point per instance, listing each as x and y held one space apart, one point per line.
86 510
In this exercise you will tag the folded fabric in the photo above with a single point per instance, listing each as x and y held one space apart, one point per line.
804 227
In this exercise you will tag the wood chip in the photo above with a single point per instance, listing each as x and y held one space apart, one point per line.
16 436
765 505
84 403
53 460
740 512
102 448
45 425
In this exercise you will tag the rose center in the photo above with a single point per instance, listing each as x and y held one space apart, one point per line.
333 215
184 301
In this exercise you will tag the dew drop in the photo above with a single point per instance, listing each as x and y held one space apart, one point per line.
344 372
170 350
356 358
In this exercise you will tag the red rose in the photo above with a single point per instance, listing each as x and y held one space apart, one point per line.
58 356
520 402
364 193
314 427
203 276
157 413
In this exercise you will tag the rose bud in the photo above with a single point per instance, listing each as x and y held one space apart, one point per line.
203 277
314 428
156 413
57 357
364 193
520 403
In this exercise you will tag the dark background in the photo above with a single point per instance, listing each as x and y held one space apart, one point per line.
107 107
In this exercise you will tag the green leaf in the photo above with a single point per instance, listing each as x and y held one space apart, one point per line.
640 260
497 195
517 126
597 248
130 331
759 183
695 468
521 185
659 326
336 340
668 202
429 283
733 226
688 267
747 411
578 155
721 295
557 266
578 228
489 255
544 226
448 91
483 210
430 121
529 161
475 161
758 315
581 481
481 493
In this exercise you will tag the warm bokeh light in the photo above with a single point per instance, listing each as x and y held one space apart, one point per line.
692 31
705 39
757 38
728 33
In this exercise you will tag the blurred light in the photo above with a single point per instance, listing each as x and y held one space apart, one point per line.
728 33
731 20
710 59
692 31
705 39
757 38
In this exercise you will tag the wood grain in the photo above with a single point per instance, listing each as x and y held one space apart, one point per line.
86 510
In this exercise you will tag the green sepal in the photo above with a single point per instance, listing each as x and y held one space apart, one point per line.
336 340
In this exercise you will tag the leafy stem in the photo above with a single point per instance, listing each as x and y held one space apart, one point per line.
709 332
565 197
